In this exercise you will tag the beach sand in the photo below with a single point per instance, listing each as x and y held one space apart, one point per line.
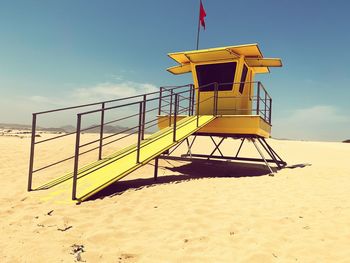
199 212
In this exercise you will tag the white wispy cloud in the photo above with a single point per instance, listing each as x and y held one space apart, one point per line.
114 89
108 91
48 101
95 93
319 122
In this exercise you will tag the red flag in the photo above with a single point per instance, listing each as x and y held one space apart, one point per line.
202 14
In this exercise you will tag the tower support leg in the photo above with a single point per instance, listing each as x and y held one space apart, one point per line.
240 147
263 157
217 146
277 157
273 157
156 168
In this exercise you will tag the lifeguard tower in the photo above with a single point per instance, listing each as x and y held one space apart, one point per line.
225 101
225 87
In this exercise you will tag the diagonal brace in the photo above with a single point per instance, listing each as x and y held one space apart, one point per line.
217 146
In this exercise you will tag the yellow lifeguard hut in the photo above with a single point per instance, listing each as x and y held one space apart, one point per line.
225 86
227 73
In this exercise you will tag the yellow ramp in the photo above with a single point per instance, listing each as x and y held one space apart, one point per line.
96 177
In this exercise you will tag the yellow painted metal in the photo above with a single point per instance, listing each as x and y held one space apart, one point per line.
230 102
238 124
229 52
181 69
164 120
263 62
94 178
229 124
261 70
236 101
250 52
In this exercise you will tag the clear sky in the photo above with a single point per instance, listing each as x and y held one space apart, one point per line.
59 53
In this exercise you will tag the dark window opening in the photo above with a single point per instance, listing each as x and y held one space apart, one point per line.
223 74
243 78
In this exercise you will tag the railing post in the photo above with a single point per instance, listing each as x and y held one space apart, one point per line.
139 133
31 158
270 111
190 101
156 168
76 158
143 116
258 99
198 102
175 116
215 110
160 100
101 131
171 106
265 102
193 91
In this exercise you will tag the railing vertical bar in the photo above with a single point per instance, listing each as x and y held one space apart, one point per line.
76 158
139 133
258 99
143 116
198 102
160 100
270 111
175 116
265 102
189 102
32 149
193 96
170 106
101 131
216 99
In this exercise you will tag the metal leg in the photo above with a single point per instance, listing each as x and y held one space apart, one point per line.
190 147
240 146
263 157
217 146
269 153
273 152
176 146
76 159
31 159
156 168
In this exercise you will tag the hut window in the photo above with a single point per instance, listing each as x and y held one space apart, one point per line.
222 73
243 78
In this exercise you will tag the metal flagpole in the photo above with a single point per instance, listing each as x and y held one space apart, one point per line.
199 18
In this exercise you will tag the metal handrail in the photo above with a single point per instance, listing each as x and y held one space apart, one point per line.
172 95
102 103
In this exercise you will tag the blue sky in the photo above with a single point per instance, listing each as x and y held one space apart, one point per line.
59 53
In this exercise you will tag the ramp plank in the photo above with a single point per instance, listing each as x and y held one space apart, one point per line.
95 177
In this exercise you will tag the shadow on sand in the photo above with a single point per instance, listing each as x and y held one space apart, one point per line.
194 170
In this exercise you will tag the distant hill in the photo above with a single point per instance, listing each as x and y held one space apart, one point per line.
347 141
68 128
64 129
15 126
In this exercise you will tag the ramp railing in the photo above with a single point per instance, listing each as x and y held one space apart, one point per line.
137 118
263 103
173 101
74 110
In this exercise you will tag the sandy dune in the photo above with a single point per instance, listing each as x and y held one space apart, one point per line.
199 212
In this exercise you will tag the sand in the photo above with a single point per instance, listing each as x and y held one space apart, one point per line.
199 212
